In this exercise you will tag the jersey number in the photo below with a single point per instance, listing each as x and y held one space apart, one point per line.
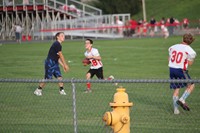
95 62
176 56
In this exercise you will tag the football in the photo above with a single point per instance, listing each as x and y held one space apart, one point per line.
86 62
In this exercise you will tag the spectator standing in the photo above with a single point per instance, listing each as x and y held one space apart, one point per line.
18 31
180 56
144 28
162 21
127 29
152 26
171 26
133 26
176 23
165 31
120 25
185 23
140 28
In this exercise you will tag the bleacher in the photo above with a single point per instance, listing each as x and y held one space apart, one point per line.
41 19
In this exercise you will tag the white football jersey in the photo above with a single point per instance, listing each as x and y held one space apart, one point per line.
179 54
95 64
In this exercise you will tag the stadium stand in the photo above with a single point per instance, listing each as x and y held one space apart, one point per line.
41 19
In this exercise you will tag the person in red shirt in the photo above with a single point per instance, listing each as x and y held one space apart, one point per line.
185 23
133 26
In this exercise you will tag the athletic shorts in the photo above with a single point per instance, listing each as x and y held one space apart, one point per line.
52 69
98 72
178 74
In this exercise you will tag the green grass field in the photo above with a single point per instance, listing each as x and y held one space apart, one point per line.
21 111
134 58
178 9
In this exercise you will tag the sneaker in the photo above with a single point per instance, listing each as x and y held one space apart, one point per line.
88 91
176 111
62 92
183 105
111 77
38 92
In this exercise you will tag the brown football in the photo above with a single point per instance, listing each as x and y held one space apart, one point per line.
86 61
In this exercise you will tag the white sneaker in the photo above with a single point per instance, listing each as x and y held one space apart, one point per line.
62 92
111 77
38 92
176 111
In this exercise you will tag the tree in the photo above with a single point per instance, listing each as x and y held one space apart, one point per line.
118 6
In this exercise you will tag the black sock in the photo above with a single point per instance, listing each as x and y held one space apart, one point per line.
61 88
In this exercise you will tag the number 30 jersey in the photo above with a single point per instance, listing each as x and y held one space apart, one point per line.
179 55
95 64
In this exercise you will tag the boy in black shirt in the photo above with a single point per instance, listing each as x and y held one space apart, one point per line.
54 58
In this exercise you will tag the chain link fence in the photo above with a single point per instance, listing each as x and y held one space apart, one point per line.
79 112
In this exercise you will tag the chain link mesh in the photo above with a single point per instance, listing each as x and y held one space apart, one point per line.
152 110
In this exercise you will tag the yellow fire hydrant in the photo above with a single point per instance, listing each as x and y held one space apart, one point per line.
119 118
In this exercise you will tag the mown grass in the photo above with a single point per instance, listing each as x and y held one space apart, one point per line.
146 58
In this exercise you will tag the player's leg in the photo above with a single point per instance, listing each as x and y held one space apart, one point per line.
88 84
57 74
175 87
89 75
48 75
175 99
190 88
61 87
99 73
38 91
187 92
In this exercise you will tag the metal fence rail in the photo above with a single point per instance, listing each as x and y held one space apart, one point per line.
73 80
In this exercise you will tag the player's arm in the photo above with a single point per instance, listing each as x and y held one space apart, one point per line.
190 62
60 62
63 62
191 58
94 57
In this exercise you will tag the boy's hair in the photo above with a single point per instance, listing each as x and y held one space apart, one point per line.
57 34
91 42
188 38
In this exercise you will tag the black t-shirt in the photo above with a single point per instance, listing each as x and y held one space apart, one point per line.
53 51
171 20
152 21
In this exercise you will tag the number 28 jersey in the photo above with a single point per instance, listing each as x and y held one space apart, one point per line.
95 64
179 55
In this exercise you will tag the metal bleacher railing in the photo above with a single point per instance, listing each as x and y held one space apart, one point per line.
35 15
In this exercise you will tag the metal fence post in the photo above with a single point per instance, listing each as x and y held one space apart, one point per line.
74 106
